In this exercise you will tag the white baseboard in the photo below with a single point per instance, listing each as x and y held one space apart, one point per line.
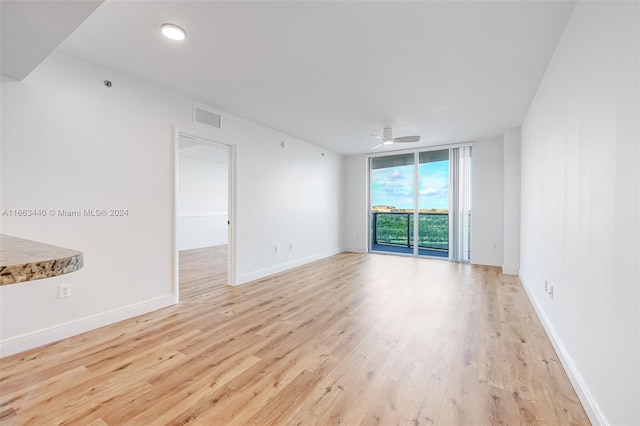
23 342
355 250
509 270
265 272
484 262
595 414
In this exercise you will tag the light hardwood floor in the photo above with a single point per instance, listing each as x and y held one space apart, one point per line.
202 270
352 339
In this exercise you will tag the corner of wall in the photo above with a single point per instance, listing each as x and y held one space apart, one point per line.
510 270
511 182
487 203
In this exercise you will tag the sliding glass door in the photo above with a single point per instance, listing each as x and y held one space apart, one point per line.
411 202
433 203
392 203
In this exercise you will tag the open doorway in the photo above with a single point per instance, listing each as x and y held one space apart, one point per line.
202 220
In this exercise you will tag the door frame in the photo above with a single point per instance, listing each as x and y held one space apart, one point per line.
232 211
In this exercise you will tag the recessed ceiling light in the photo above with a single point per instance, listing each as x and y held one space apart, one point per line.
173 32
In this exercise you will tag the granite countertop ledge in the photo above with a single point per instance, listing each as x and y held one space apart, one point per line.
25 260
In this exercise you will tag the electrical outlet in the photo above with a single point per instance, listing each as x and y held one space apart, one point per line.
548 289
64 290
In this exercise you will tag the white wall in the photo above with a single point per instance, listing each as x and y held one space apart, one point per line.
203 203
293 197
70 142
511 247
356 204
487 202
580 191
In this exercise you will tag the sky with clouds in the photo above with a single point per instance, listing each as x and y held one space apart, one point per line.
393 186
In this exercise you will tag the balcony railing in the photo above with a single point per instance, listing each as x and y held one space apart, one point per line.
396 229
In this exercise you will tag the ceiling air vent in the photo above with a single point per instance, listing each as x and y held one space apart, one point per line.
205 117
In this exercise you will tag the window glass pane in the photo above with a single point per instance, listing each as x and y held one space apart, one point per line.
392 202
392 183
391 161
434 156
433 203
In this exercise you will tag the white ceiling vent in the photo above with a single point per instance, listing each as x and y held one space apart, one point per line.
205 117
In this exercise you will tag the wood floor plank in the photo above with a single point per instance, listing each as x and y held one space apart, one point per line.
351 339
202 270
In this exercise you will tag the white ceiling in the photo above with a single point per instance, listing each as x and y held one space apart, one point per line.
332 72
30 30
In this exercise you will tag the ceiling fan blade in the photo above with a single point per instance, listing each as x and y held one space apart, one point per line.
375 136
377 146
407 139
